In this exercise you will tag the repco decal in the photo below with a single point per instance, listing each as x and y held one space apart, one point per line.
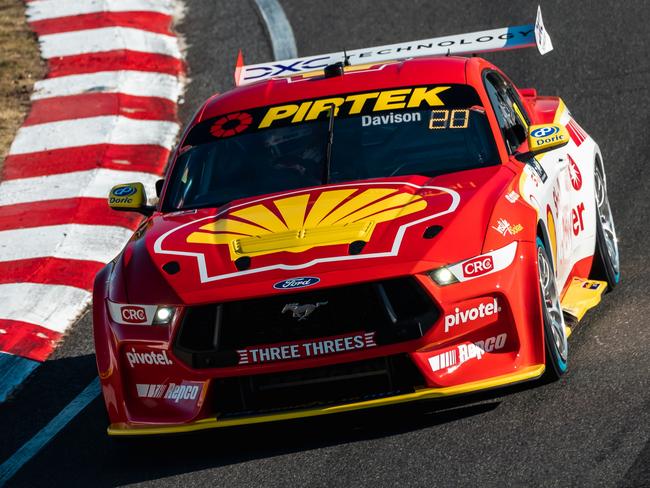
408 99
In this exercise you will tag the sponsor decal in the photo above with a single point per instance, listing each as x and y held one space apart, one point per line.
512 197
373 107
124 191
591 285
466 352
296 283
301 312
307 349
545 131
539 170
231 125
576 133
574 174
503 227
132 314
478 266
577 221
336 217
482 310
187 391
152 357
390 118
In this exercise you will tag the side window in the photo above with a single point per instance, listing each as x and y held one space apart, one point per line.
508 109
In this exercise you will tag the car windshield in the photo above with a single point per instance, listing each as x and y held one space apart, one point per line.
427 131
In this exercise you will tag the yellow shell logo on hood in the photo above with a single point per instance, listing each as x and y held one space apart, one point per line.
334 218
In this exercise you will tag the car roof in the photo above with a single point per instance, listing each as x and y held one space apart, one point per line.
420 71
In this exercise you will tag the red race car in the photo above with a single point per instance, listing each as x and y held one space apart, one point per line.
347 231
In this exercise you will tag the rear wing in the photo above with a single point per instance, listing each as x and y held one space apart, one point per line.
476 42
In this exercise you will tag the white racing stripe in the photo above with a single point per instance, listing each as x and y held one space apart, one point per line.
53 307
107 39
109 129
95 183
70 241
136 83
51 9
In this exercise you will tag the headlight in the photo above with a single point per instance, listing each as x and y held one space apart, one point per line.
475 267
443 276
130 314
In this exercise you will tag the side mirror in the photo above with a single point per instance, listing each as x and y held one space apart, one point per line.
546 137
129 197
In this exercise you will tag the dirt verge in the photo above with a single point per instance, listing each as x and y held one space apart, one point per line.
20 67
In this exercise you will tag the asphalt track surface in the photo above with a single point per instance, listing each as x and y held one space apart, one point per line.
589 429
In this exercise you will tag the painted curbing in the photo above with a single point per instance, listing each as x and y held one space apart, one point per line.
106 113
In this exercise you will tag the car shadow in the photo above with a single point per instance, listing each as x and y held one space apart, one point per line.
84 447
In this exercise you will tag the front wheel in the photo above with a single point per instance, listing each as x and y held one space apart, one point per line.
606 260
554 328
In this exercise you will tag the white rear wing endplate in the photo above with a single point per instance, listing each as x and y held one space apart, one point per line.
475 42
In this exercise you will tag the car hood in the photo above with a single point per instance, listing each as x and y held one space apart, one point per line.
333 234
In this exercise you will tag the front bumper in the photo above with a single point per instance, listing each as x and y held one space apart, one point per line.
154 391
526 374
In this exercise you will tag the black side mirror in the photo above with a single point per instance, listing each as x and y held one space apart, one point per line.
159 187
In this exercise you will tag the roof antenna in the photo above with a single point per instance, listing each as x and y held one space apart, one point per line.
346 58
448 52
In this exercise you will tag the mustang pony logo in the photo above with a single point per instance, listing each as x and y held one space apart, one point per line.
301 312
291 224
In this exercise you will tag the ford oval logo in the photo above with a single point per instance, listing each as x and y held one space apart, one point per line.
124 191
544 131
296 283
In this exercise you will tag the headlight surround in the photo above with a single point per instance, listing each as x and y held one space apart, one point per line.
132 314
476 267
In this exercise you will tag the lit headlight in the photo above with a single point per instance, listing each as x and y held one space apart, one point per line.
443 276
130 314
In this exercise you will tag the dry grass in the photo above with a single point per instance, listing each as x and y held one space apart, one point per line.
20 66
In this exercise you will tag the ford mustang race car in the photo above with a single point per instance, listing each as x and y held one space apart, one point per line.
355 230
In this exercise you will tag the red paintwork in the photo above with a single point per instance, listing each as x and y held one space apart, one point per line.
136 277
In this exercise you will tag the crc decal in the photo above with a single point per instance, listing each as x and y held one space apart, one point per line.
303 228
188 391
485 264
307 349
484 312
132 314
153 358
292 283
402 105
478 266
503 227
574 174
466 352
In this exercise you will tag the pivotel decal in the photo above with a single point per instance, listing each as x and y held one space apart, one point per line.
467 352
460 316
307 349
152 358
292 283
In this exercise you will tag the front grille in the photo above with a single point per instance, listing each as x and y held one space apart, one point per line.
315 387
395 310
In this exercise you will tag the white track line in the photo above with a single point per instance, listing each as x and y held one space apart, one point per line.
51 306
107 39
279 29
136 83
108 129
68 241
11 466
94 183
52 9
